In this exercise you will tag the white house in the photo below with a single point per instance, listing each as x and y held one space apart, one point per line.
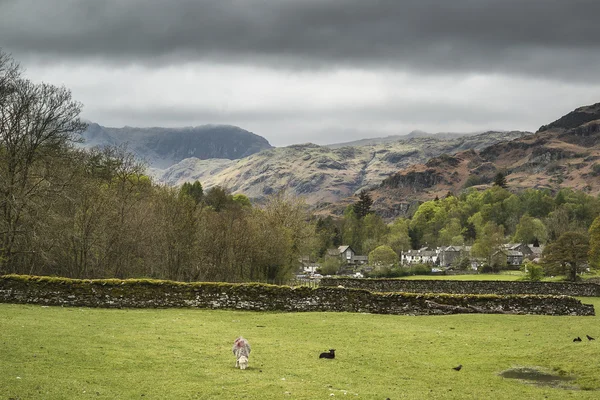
422 256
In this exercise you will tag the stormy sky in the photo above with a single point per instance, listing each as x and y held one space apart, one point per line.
322 71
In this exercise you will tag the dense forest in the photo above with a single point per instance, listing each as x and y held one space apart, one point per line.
94 213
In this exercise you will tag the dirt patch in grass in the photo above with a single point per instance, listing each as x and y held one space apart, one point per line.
536 376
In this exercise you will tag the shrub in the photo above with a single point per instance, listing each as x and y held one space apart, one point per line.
330 266
383 255
533 272
420 269
474 180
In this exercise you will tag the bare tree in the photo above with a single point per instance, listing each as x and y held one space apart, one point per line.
37 122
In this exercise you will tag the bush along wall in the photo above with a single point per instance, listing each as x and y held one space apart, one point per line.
467 287
260 297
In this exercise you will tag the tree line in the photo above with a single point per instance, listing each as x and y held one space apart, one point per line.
95 214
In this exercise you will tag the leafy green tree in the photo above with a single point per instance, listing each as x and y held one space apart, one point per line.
328 235
533 272
500 180
530 229
241 200
427 222
594 251
537 203
374 231
330 266
352 230
218 198
567 255
450 234
193 190
557 223
469 233
398 238
488 242
383 256
363 206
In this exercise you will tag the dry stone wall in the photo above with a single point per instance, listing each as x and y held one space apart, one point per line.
259 297
467 287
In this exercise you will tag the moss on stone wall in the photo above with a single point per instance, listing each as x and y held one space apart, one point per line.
467 287
145 293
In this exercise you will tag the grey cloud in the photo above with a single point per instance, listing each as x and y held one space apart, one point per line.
555 39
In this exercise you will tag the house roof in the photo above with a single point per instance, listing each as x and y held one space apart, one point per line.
342 249
514 253
536 249
457 248
511 253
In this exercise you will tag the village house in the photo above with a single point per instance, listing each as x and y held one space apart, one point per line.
536 252
453 254
347 256
424 255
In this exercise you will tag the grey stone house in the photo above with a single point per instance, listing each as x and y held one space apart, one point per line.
451 254
347 255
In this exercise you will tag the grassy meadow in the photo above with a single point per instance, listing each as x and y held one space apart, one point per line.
73 353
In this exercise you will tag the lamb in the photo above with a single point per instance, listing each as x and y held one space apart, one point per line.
331 354
241 350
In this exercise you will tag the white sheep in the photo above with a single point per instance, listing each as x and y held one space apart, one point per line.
241 350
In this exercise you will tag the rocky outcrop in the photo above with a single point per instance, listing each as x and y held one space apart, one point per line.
415 181
574 119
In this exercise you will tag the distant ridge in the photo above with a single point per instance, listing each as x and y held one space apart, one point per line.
164 147
396 138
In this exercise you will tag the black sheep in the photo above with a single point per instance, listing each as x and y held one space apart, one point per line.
331 354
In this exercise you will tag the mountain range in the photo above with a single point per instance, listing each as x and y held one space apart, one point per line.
398 170
322 174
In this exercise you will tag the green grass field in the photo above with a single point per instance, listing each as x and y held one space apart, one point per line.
83 353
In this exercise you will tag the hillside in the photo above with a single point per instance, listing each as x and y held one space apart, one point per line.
564 153
163 147
319 173
395 138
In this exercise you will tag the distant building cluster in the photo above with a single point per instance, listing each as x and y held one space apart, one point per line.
511 254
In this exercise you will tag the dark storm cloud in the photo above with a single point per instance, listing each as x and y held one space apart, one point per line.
545 38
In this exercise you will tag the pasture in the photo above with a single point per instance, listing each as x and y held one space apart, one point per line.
84 353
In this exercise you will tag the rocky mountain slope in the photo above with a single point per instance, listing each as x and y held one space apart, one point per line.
564 153
163 147
395 138
321 174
